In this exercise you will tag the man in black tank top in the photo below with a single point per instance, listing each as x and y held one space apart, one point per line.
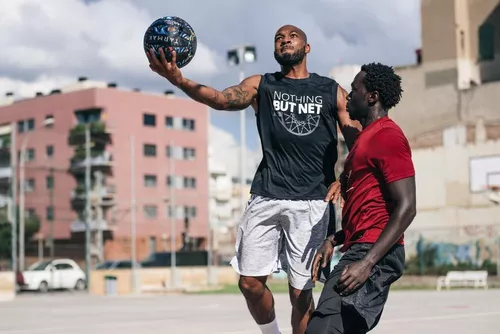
288 214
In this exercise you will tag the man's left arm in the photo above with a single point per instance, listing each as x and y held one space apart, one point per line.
348 127
392 157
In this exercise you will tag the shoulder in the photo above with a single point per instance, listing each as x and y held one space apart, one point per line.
390 135
323 80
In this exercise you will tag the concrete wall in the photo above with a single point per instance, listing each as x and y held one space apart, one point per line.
7 286
153 279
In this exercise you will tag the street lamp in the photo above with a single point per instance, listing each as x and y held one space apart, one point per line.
238 57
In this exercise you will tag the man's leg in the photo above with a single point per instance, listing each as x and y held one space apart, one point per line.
302 307
304 227
260 302
257 248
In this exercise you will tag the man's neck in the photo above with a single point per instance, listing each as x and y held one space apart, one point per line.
295 72
374 114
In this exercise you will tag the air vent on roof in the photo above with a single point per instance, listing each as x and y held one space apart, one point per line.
112 85
55 91
39 94
9 94
169 92
81 79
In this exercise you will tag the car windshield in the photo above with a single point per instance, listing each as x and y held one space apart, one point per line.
39 266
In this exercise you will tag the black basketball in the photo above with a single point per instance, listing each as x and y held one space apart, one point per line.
171 31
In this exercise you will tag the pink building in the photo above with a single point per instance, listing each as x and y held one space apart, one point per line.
167 132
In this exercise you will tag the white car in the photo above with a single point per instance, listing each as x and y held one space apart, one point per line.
52 275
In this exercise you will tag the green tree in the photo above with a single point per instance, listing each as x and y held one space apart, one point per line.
31 226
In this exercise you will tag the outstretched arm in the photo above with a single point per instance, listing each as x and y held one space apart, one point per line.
236 97
348 127
232 98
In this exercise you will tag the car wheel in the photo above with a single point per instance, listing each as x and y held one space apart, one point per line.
44 287
80 285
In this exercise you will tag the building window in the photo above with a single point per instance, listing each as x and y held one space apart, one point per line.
49 121
486 40
149 120
20 126
188 153
50 213
88 115
189 182
49 182
188 124
150 181
189 212
149 150
50 151
30 124
150 211
169 151
30 154
169 122
29 185
31 212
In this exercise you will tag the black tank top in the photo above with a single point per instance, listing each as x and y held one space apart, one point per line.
297 124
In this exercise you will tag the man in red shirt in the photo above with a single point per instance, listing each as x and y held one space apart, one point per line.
378 187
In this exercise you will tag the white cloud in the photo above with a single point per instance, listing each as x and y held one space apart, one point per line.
68 38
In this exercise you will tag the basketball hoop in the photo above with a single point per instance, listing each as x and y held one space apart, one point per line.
493 194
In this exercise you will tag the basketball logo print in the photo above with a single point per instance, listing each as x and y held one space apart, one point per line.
299 114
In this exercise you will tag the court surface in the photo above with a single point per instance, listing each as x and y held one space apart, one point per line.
409 312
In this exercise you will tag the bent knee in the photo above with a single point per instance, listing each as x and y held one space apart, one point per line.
252 287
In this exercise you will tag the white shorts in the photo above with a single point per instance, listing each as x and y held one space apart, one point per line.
280 234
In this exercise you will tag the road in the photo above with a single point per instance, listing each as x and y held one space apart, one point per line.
409 312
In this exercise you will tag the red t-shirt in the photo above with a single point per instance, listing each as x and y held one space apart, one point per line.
380 155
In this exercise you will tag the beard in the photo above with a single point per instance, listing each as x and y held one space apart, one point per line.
290 59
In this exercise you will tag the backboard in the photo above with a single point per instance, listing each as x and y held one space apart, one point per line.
484 173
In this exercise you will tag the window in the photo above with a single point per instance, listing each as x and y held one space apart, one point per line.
189 182
20 126
150 181
149 120
88 115
49 150
150 211
189 211
30 124
188 124
49 121
50 213
169 151
188 153
29 185
149 150
31 212
169 122
486 40
49 182
30 154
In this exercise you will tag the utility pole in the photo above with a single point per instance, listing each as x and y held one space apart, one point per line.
22 189
87 205
51 203
99 187
13 162
173 218
133 231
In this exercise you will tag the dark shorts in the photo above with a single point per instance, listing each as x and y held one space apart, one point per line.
359 312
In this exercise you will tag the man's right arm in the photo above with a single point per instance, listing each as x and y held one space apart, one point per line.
232 98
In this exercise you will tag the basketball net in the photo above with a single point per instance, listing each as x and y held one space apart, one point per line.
493 194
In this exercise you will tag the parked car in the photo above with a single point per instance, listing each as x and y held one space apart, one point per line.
52 275
118 264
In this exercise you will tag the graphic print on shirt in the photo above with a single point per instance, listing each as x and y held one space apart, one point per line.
299 114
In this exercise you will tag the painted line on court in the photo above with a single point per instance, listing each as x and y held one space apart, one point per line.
441 317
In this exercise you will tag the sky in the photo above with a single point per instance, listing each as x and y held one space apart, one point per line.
43 47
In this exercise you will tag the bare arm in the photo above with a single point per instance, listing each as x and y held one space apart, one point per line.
404 197
232 98
349 128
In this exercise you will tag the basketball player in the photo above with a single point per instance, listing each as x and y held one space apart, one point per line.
378 183
287 217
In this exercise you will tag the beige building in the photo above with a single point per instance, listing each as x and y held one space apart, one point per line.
451 116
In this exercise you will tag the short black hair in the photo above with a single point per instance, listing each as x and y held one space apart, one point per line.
385 81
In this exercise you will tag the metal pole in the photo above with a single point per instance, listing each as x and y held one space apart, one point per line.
242 151
22 187
51 198
210 268
87 205
13 162
133 231
173 218
100 242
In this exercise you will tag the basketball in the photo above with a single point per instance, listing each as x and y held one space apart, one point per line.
171 31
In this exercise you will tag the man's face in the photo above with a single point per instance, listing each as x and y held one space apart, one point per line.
290 46
357 100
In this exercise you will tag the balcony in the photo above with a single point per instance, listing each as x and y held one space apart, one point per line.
99 160
98 134
107 195
79 226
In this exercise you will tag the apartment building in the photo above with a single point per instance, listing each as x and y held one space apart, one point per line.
150 145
